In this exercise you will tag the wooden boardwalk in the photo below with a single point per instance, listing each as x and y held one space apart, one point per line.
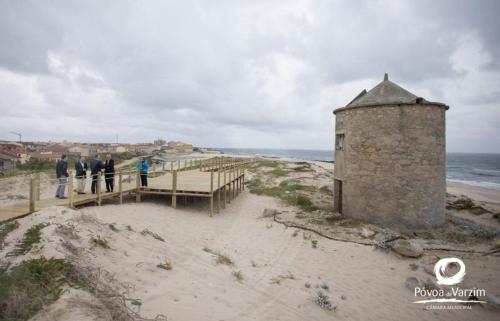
220 179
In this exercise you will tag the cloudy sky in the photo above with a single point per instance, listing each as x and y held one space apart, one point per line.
240 73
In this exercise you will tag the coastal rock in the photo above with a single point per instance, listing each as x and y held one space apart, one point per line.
465 203
407 248
366 233
269 212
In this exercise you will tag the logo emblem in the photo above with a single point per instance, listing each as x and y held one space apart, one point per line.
440 268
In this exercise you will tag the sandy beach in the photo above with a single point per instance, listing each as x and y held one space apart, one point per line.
270 272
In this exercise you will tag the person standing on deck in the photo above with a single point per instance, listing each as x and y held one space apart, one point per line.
109 172
81 175
95 167
62 176
143 167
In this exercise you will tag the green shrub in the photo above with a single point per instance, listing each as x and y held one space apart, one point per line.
31 237
31 285
5 229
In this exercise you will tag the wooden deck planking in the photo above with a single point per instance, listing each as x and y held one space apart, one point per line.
191 181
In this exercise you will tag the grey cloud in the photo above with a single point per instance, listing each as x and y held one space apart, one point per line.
265 72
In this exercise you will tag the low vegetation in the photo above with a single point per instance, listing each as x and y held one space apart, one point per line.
154 235
287 191
26 288
166 265
101 242
238 276
325 189
5 229
219 258
32 236
323 301
113 227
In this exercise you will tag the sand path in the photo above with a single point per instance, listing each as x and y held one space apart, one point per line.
199 289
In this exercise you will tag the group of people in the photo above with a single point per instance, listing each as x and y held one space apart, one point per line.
96 167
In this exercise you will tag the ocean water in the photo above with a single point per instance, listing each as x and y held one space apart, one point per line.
472 169
306 154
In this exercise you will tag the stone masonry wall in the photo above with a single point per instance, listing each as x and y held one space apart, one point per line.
392 166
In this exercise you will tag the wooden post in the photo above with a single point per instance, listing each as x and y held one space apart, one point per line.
240 176
174 189
218 191
163 166
243 179
120 187
211 193
171 166
32 195
138 186
237 182
224 202
234 183
98 187
190 163
229 186
178 164
70 189
185 164
37 182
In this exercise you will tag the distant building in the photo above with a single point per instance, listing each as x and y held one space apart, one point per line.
390 158
51 156
7 162
120 149
80 150
17 149
179 147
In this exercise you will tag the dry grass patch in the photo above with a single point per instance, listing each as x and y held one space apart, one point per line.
31 237
166 265
219 258
101 242
238 276
5 229
154 235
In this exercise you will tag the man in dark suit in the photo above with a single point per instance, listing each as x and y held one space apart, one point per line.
109 172
81 175
62 176
95 167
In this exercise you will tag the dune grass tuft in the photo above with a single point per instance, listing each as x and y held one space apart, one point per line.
219 258
31 237
238 276
26 288
154 235
5 229
98 241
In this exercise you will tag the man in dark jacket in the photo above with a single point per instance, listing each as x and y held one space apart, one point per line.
109 172
81 175
62 176
95 167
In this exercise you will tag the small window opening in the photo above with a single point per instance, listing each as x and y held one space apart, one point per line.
339 142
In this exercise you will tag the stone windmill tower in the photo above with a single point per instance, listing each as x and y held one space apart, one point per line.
390 158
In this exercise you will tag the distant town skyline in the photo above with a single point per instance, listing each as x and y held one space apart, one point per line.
244 74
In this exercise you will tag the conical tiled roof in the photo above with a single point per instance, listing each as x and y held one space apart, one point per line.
386 92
